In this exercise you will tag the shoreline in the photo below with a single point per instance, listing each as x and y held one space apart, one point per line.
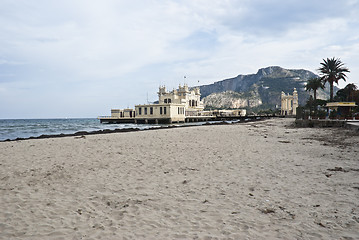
124 130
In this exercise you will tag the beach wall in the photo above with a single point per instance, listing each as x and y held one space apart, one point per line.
323 123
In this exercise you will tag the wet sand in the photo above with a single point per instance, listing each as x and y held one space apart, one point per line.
258 180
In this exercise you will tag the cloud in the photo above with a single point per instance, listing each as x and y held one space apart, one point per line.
123 49
276 17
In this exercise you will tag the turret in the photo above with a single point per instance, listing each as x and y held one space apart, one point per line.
197 91
161 91
183 89
295 91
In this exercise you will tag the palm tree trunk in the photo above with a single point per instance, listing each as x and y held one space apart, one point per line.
315 95
331 91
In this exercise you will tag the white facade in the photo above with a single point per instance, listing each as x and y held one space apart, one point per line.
190 98
122 113
157 113
289 103
172 106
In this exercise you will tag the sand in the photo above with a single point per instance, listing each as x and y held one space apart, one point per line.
259 180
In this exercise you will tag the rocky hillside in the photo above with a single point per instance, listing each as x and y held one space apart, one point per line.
262 89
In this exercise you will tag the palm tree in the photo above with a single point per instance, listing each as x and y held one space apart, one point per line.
314 84
332 70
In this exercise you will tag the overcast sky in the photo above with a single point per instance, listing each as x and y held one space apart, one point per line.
80 58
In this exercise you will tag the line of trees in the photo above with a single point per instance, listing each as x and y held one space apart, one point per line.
331 71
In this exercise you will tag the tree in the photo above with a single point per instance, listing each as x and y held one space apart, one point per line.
347 93
314 84
332 70
350 89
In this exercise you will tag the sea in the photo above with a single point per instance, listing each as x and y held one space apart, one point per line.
25 128
11 129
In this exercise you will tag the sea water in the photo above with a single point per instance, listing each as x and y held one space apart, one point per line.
25 128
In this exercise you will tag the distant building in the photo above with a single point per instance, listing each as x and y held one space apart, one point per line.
122 113
179 105
160 113
190 98
172 106
119 116
342 109
229 113
289 103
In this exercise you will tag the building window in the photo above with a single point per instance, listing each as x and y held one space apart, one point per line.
151 110
145 111
164 110
169 100
165 100
182 110
139 111
161 110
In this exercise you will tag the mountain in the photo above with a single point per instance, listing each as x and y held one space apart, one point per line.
260 90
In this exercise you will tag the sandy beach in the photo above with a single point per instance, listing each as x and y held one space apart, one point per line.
258 180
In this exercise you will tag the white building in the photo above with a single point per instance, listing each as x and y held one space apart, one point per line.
190 98
289 103
179 105
160 113
172 106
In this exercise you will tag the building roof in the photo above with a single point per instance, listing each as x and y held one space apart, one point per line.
341 104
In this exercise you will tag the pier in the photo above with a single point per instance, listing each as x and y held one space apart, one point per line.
111 120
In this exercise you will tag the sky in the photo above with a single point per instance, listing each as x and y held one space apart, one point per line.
81 58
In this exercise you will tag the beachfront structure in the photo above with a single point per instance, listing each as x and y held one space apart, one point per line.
289 103
175 106
160 113
119 116
190 98
229 113
179 105
342 109
125 113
